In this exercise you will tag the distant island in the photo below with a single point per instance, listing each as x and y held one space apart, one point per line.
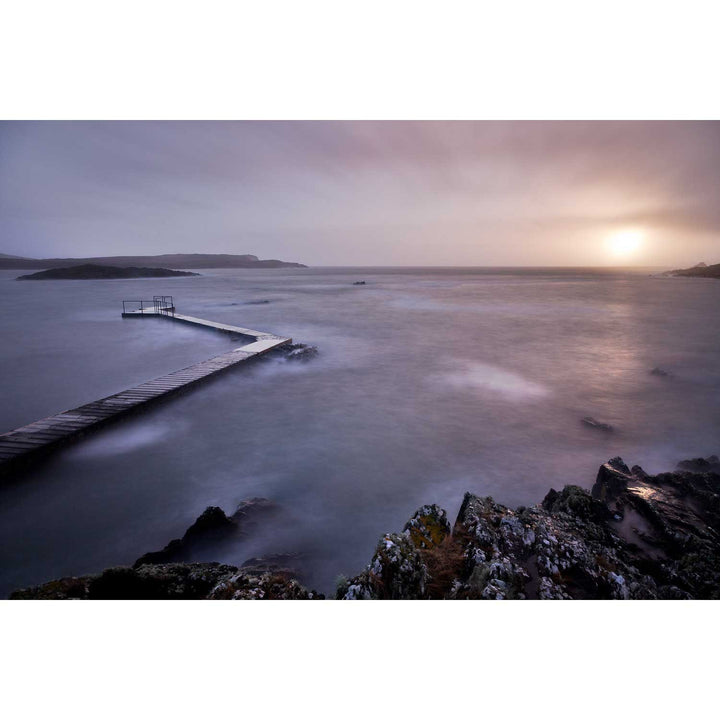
181 261
103 272
699 270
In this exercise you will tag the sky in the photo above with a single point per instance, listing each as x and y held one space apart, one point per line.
366 193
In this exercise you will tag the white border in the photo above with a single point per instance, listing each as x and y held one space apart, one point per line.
389 59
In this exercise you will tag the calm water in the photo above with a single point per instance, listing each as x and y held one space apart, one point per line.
430 383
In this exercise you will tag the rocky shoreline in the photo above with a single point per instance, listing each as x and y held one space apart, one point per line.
634 536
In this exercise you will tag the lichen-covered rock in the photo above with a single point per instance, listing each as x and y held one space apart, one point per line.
493 538
172 581
267 586
573 500
396 572
428 527
635 536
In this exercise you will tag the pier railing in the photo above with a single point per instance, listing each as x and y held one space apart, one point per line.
159 305
164 304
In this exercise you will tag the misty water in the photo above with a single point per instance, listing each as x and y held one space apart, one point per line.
429 383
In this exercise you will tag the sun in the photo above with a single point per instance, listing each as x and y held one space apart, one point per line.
625 243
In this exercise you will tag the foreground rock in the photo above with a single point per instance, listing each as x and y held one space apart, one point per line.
104 272
174 581
213 529
634 536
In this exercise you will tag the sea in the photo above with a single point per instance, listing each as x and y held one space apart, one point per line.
429 383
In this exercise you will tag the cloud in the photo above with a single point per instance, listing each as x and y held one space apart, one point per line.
359 192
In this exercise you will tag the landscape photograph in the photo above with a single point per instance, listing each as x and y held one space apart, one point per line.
396 325
360 360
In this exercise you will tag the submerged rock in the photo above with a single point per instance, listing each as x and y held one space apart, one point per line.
596 424
298 352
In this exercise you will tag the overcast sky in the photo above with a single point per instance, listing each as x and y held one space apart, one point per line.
365 193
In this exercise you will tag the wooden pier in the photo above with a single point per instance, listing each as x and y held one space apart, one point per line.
33 441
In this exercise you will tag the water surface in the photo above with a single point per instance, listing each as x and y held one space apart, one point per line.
430 382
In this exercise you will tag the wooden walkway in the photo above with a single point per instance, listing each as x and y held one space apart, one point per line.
43 436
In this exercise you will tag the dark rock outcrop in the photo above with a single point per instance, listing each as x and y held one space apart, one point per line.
173 581
212 528
701 465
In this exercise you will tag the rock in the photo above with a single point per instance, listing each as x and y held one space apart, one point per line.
284 564
249 513
635 537
268 586
573 500
396 572
596 424
611 480
428 527
701 465
212 528
298 352
172 581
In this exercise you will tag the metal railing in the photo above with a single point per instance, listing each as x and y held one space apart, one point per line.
164 304
160 304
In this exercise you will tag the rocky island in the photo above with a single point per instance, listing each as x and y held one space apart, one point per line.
634 536
104 272
699 270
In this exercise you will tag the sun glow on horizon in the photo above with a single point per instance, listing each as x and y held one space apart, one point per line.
624 244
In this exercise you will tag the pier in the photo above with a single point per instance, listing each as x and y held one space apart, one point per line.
36 440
